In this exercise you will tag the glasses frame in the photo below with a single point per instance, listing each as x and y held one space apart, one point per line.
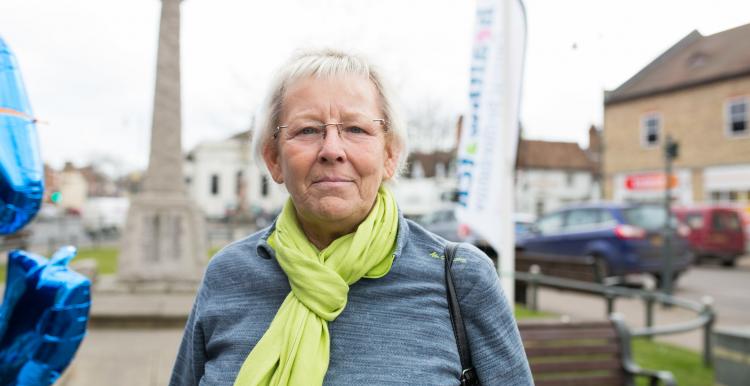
339 127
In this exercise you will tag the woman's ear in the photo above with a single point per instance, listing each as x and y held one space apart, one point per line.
392 154
271 157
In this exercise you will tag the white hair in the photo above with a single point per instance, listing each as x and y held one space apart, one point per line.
327 63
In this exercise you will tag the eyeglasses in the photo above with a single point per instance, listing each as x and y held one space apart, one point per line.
314 132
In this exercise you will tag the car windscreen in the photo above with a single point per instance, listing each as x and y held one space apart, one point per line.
646 217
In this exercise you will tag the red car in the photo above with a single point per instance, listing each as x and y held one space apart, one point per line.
715 232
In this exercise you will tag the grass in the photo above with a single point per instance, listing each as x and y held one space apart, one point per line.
686 365
106 259
525 313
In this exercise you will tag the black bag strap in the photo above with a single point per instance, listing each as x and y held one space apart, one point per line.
468 374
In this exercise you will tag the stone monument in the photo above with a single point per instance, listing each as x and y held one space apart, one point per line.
164 244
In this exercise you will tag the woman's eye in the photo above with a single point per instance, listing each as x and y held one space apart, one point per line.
356 130
308 131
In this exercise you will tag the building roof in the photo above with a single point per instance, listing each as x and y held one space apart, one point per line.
534 154
429 161
693 61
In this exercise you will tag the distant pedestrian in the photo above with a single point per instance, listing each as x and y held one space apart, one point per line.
342 289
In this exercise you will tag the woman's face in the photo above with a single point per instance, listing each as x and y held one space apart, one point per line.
332 172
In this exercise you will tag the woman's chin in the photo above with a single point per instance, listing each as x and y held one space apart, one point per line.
334 210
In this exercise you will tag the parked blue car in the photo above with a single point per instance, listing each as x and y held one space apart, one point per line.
624 238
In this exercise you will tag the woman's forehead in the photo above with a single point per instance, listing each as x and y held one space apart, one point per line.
345 96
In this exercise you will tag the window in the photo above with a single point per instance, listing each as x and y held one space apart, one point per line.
214 184
650 130
551 224
737 117
238 183
581 219
569 178
264 186
648 217
694 220
589 219
726 221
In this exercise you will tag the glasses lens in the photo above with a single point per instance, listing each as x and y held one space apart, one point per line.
352 131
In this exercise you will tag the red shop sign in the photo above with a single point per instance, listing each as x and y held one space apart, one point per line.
649 181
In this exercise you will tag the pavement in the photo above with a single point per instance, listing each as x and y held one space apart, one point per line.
132 339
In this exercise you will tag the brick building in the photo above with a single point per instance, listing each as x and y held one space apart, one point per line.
697 92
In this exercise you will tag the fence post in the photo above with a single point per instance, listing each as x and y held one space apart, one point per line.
534 270
707 329
649 304
609 297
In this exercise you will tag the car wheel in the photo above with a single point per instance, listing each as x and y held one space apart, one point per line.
728 262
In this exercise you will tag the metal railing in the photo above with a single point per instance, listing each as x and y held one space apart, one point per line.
705 314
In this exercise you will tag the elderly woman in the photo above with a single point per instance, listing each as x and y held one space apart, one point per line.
342 289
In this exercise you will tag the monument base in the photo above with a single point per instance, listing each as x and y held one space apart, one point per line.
164 244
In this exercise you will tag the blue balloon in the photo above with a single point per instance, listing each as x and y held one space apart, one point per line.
21 170
46 305
43 317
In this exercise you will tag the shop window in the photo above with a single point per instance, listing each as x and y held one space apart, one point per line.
737 117
650 130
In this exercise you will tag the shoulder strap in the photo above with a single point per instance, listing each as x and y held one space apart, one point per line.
468 374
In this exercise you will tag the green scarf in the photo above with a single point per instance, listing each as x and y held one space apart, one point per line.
296 347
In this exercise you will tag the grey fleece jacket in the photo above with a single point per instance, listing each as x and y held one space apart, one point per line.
395 330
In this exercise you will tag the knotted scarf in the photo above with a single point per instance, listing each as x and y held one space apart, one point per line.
296 347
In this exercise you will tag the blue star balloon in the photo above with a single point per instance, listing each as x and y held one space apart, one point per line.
21 170
43 317
46 304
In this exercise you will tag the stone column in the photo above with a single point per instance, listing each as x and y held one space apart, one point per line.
164 244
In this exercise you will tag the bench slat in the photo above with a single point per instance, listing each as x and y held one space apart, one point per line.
546 324
566 334
575 366
546 351
602 380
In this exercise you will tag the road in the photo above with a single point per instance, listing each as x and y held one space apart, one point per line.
730 288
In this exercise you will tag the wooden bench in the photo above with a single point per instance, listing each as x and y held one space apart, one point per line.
584 353
584 268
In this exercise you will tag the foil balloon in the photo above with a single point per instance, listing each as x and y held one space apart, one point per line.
45 305
21 170
43 317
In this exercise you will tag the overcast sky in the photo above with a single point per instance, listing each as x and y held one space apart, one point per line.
89 64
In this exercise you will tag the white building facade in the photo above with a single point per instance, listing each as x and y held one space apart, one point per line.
550 175
543 190
223 179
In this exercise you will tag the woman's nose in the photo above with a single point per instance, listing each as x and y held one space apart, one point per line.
333 147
